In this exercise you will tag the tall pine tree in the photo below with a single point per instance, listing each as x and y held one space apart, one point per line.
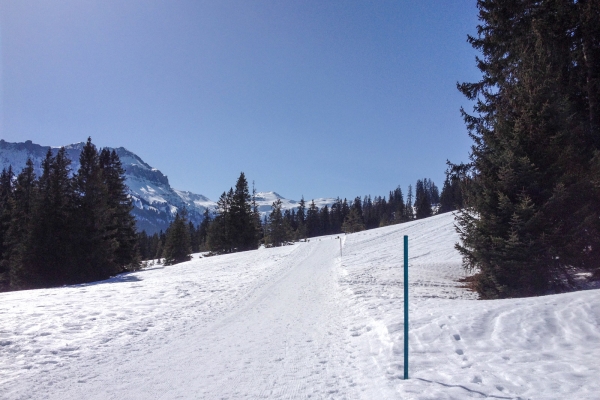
533 208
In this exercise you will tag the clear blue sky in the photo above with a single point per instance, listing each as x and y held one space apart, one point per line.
314 98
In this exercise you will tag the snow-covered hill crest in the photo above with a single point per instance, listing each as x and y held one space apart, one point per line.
321 319
265 200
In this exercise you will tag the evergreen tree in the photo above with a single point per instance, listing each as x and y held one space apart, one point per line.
144 245
353 222
301 219
278 229
6 193
533 208
336 216
324 222
451 197
18 236
177 247
95 238
52 233
345 210
408 207
397 206
255 216
219 232
120 220
194 242
422 200
313 226
203 229
243 232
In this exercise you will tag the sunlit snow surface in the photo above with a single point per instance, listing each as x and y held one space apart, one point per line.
299 322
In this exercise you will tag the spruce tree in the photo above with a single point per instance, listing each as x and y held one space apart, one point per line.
324 220
301 219
22 273
177 247
533 209
120 220
6 193
422 200
313 226
96 233
278 230
243 232
353 222
219 232
203 229
409 211
53 229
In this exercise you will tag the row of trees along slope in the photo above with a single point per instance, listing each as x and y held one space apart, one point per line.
534 178
64 228
237 225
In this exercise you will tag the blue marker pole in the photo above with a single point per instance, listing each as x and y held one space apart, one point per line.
405 307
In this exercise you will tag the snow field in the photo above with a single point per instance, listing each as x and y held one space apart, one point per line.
299 322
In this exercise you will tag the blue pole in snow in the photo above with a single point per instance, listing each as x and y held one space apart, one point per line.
405 307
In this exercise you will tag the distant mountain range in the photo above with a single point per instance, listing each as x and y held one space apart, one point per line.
155 201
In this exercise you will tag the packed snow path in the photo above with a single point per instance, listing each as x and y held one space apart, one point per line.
299 322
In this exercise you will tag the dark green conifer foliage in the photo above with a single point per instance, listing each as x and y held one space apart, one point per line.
52 252
278 229
336 216
451 198
177 247
533 209
422 200
255 217
95 236
18 237
219 232
409 211
324 221
313 225
120 222
301 219
194 244
353 222
6 193
397 206
243 232
345 209
203 229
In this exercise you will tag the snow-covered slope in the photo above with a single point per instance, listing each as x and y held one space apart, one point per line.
300 322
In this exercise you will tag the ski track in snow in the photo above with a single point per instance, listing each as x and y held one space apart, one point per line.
300 322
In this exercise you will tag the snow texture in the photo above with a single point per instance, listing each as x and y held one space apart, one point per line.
300 322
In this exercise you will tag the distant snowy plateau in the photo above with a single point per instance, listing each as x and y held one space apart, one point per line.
155 201
314 320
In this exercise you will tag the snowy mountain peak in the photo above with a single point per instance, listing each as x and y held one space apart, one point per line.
155 201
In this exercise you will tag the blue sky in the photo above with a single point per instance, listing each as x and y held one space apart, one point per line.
313 98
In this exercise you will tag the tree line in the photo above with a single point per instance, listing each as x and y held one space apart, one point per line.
64 227
237 225
532 186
